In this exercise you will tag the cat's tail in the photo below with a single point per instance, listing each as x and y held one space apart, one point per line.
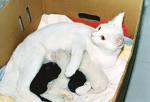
51 98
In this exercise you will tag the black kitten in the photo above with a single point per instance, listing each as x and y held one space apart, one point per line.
77 80
49 72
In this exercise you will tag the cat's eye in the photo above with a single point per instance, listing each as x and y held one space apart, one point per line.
102 37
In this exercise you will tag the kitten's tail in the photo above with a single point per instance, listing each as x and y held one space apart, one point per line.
44 99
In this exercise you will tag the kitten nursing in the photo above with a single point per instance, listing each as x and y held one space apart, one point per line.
92 48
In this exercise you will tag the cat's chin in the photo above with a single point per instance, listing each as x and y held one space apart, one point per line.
120 46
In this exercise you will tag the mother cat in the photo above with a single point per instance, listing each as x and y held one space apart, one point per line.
40 45
109 41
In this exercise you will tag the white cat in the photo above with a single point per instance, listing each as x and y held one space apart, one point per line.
43 44
108 42
39 46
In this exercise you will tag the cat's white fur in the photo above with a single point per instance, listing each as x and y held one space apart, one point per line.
41 45
28 57
102 54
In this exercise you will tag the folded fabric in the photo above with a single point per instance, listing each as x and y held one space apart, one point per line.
125 54
51 19
6 99
128 41
3 3
2 71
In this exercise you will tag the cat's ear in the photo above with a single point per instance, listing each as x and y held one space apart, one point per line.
98 28
118 20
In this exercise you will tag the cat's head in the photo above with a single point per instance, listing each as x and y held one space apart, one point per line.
110 35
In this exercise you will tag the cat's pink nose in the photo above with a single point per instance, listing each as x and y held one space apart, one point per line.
119 41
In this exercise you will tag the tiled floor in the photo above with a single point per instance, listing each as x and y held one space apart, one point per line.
139 87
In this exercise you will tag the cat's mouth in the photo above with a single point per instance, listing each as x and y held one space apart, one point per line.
119 42
120 45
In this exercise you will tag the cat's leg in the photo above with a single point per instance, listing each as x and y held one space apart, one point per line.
76 57
59 87
61 83
83 89
99 81
29 69
94 74
57 90
62 59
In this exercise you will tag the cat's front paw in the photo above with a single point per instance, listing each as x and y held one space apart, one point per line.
69 73
68 97
83 89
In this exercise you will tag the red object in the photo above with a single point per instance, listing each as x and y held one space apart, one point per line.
96 23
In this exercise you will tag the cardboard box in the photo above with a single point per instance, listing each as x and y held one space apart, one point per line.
29 13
